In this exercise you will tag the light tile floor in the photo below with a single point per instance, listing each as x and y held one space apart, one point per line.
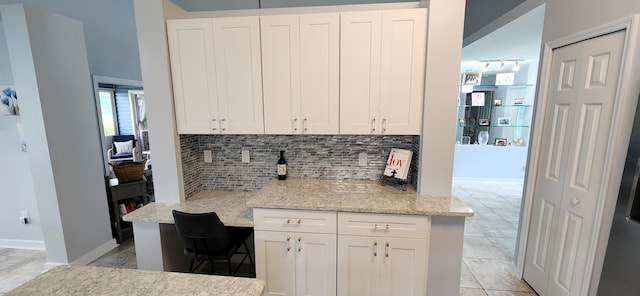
487 263
490 239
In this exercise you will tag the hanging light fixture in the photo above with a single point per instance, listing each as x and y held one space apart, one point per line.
516 66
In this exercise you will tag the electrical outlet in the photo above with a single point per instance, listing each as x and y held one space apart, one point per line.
245 156
207 156
24 217
362 159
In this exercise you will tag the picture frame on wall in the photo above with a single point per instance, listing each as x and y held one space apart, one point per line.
500 142
477 99
497 102
504 121
483 121
471 78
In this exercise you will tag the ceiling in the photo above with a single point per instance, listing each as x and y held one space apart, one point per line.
519 39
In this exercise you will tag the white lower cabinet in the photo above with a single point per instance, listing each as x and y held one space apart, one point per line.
293 262
342 253
381 254
381 266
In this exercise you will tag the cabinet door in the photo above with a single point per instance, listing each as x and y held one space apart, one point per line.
360 45
281 73
193 75
239 74
358 265
275 261
404 267
319 70
402 71
315 264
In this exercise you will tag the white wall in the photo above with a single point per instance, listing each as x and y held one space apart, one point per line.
50 68
16 193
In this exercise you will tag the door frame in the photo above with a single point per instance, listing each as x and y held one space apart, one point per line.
627 93
97 79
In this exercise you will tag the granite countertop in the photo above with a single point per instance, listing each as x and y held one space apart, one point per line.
354 196
229 205
69 280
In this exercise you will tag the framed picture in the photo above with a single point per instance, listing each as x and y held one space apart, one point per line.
497 102
500 142
504 121
477 99
518 101
505 78
483 121
471 78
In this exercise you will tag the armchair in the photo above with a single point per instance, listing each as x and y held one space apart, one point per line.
124 148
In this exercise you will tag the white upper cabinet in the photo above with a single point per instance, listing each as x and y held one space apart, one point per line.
216 71
402 71
382 71
239 76
300 55
193 74
360 72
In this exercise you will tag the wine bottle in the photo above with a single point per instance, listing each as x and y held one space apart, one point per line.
282 167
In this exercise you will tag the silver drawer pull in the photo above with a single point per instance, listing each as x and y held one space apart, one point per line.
375 226
387 227
299 221
288 221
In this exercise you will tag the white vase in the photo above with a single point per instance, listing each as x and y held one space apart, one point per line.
483 137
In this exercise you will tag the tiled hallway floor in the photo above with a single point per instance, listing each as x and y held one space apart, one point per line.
490 239
489 243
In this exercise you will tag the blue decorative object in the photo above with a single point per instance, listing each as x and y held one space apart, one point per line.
9 99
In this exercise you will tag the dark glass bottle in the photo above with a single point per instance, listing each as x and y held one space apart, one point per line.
282 167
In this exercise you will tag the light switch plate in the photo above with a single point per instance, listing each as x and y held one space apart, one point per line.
207 156
362 159
245 156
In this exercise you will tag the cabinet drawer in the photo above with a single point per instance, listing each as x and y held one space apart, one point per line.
294 220
383 225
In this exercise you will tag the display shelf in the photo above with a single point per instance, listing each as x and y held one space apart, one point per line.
493 126
496 106
493 85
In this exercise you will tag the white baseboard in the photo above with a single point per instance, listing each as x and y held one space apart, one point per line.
96 253
49 265
22 244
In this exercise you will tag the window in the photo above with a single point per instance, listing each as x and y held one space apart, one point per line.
107 110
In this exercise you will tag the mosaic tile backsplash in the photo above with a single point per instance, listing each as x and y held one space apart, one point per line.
324 157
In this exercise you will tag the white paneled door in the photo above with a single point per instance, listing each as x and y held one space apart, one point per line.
571 170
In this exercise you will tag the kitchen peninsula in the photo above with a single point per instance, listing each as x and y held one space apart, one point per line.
71 280
427 231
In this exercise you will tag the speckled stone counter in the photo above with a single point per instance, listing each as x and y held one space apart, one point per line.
354 196
229 205
69 280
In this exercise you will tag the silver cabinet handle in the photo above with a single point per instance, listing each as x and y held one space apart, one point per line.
386 250
299 221
288 221
299 244
575 202
375 226
375 249
304 124
384 125
295 125
288 243
223 124
373 125
387 227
